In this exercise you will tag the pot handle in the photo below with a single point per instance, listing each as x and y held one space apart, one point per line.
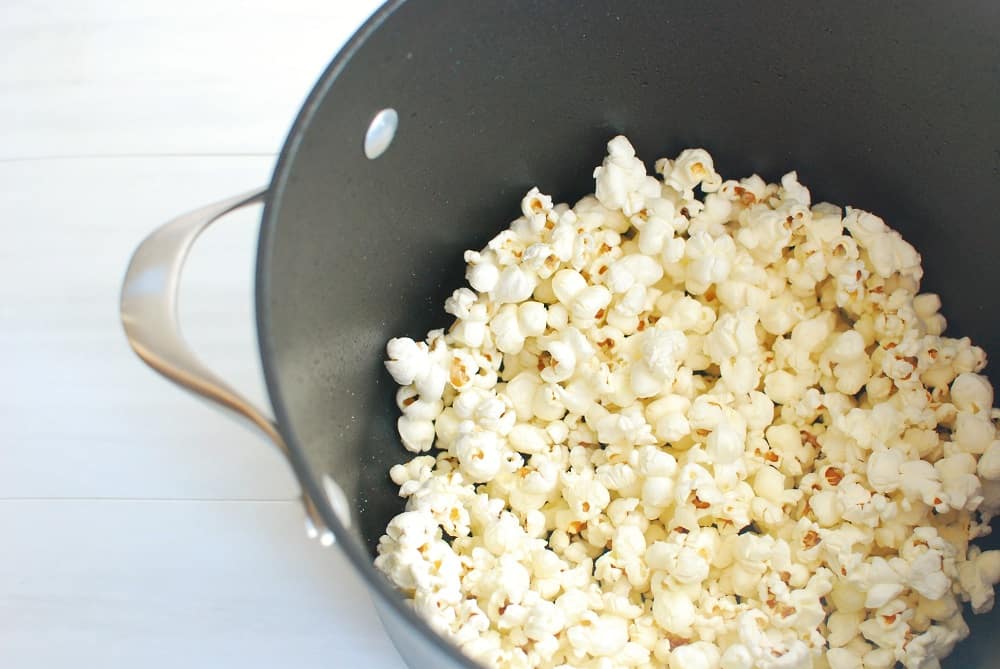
149 315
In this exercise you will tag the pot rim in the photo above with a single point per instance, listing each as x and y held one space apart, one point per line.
355 552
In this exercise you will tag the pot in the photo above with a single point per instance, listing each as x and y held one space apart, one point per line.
888 106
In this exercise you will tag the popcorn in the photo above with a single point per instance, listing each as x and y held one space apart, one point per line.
724 445
974 432
694 423
513 324
883 469
769 483
693 167
482 273
937 642
736 657
661 352
667 416
709 261
988 466
514 284
971 393
608 636
586 497
919 480
782 387
621 181
926 576
796 454
410 476
631 270
697 655
958 479
769 649
559 361
887 252
417 435
977 576
411 362
674 612
842 627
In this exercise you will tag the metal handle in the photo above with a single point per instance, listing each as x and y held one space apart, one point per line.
149 316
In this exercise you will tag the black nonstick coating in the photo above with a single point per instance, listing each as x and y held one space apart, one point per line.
889 106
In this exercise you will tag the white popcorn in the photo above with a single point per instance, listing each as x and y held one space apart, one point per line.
977 577
765 233
561 363
793 190
989 464
520 391
544 620
880 658
883 469
697 655
514 285
769 483
709 261
847 346
926 576
411 362
782 387
609 636
661 352
974 432
693 167
724 445
478 453
410 476
460 303
958 479
621 181
527 438
482 272
736 656
926 649
842 626
656 226
919 480
770 651
674 611
673 250
630 270
694 423
887 251
417 435
971 393
586 497
589 304
796 454
531 318
667 416
882 582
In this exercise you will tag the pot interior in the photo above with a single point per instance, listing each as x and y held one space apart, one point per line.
885 106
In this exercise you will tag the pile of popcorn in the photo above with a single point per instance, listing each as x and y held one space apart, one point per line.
696 424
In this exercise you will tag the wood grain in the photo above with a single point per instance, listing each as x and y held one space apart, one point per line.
90 583
107 77
142 527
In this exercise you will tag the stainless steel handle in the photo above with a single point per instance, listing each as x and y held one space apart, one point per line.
149 316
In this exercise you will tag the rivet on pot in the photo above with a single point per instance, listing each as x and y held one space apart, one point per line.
381 132
324 536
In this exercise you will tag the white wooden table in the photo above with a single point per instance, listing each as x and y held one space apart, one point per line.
141 528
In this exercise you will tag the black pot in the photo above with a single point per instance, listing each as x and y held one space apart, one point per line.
888 106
